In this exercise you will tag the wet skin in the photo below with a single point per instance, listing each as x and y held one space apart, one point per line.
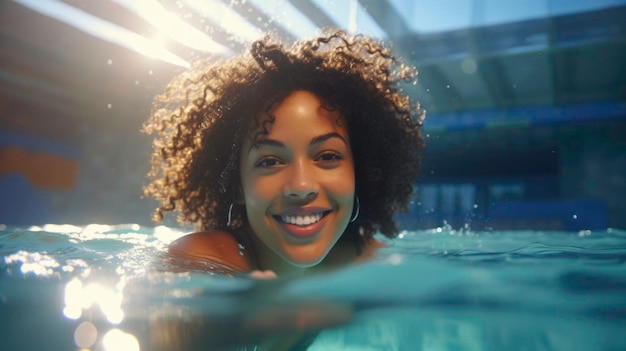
298 184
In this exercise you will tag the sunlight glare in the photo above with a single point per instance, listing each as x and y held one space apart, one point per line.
174 27
73 299
224 16
166 234
35 263
118 340
61 228
102 29
79 297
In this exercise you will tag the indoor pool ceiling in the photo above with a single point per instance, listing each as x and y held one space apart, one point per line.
67 65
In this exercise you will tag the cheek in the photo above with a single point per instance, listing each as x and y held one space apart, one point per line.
343 187
343 184
259 190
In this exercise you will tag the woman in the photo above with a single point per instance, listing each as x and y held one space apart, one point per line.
288 159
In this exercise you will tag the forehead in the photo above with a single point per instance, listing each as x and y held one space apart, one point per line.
301 112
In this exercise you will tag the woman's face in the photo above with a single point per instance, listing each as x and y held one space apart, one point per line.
298 181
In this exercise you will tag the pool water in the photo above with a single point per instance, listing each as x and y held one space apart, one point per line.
103 287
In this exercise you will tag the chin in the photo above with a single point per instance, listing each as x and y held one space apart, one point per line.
304 262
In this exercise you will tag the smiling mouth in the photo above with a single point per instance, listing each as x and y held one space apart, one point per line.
302 220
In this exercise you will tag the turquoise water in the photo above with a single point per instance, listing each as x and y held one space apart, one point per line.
104 287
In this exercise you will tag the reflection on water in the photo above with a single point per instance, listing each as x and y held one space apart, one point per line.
117 340
80 302
33 263
107 288
94 265
85 335
79 298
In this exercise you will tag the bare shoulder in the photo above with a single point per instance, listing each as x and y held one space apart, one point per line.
215 246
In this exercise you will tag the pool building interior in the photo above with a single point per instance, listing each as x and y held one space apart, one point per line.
526 101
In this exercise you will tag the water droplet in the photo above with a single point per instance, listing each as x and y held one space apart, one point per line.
575 216
395 259
469 65
475 205
448 86
109 62
85 335
150 72
136 82
109 106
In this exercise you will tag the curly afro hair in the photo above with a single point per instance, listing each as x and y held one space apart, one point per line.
201 119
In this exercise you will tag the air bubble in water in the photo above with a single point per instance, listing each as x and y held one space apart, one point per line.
469 66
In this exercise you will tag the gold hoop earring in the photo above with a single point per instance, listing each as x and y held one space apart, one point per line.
230 213
358 210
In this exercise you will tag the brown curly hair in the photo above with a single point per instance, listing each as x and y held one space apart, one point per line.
203 116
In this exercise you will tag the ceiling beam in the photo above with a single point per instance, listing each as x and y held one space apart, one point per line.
258 18
496 81
387 17
314 13
392 22
207 26
117 14
441 89
493 78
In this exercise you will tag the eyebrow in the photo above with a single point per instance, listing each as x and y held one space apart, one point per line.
317 140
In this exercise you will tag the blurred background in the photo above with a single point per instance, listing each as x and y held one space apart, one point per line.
526 123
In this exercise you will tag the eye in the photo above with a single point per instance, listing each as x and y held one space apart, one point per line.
267 162
329 156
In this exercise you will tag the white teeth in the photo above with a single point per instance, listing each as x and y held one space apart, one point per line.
302 220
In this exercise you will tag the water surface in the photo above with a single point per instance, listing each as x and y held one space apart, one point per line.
104 287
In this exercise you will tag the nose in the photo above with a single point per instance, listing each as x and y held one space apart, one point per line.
302 183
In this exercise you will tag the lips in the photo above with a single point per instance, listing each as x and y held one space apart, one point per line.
304 224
